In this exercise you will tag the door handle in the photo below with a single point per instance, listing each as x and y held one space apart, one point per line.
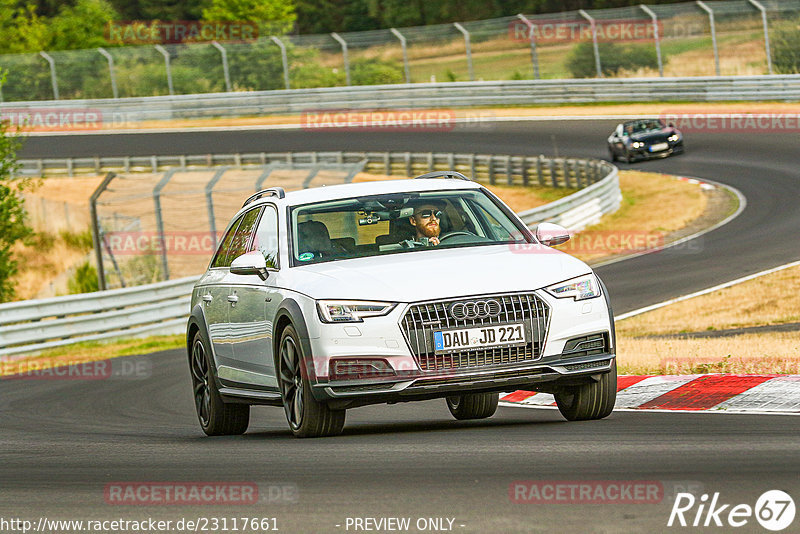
233 299
207 298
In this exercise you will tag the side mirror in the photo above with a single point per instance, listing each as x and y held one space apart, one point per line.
671 125
250 263
550 234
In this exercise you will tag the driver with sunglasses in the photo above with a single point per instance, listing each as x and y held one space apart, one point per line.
426 223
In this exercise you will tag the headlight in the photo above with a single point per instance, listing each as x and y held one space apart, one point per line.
351 311
637 144
673 137
581 288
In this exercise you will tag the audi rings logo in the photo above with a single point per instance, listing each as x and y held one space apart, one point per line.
475 309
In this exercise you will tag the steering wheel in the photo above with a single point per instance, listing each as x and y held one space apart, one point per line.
454 234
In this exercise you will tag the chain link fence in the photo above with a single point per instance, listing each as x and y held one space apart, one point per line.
725 37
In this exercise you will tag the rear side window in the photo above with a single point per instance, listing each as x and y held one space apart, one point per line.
222 251
242 236
234 244
266 240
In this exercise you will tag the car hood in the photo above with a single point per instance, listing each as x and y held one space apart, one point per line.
654 137
437 274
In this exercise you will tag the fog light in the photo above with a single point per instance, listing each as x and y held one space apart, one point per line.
359 368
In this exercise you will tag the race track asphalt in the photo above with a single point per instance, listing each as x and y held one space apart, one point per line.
63 441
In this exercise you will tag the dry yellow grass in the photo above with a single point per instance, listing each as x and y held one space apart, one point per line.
767 353
761 301
653 205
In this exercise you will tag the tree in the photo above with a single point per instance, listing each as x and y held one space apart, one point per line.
24 30
785 51
81 26
275 17
12 208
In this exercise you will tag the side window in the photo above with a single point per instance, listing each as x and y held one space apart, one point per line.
222 251
242 237
266 240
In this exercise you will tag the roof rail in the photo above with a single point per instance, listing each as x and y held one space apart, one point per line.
444 174
277 192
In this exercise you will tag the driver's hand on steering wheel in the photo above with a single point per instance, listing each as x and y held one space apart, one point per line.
433 241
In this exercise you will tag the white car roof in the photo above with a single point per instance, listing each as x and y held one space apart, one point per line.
378 187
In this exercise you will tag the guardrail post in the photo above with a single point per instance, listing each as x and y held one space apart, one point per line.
111 72
710 12
490 165
553 175
402 39
509 176
160 219
532 39
53 80
654 18
468 46
472 168
225 71
284 60
96 236
164 53
761 8
343 43
540 170
430 162
523 162
387 163
597 65
409 170
212 223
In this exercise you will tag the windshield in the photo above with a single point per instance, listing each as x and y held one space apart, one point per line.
650 125
397 223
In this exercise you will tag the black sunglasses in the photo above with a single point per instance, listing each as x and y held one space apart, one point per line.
426 214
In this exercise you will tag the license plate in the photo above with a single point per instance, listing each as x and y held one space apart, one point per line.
658 146
479 337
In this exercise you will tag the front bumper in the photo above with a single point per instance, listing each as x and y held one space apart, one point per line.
538 376
644 152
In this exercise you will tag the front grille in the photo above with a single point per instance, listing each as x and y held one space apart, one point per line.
422 319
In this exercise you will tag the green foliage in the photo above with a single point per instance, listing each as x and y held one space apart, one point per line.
83 280
82 25
785 44
451 76
375 72
613 58
12 209
276 17
22 29
81 241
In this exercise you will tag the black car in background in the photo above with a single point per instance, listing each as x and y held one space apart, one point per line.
644 139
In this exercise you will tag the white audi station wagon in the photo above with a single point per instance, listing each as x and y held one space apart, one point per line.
330 298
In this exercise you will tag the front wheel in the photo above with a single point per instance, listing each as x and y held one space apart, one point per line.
307 417
217 418
473 405
589 401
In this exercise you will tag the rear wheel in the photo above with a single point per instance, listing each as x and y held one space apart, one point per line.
473 405
217 418
589 401
307 418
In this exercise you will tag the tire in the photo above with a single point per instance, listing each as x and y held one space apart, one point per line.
216 417
628 157
307 418
612 155
473 405
589 401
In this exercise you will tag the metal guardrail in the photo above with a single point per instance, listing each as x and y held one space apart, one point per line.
35 325
128 111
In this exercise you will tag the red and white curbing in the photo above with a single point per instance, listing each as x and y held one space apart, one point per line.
695 181
716 393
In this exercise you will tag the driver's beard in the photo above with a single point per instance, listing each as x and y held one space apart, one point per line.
428 231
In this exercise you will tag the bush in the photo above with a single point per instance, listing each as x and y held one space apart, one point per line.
375 72
83 280
613 59
785 46
81 241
